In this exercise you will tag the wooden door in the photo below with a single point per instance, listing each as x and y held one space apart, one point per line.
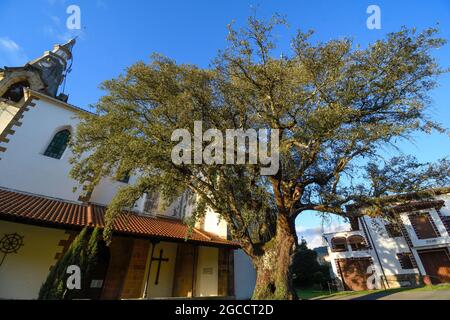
436 264
120 253
354 273
137 267
185 271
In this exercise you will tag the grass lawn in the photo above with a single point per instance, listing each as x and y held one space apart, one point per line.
445 286
312 293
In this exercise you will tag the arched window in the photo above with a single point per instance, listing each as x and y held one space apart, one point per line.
58 144
15 92
357 242
339 244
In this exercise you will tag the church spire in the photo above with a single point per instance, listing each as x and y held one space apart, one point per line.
54 66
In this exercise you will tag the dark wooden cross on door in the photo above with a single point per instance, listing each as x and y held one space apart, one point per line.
160 259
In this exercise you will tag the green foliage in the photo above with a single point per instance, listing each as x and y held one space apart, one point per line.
319 277
92 252
405 173
82 252
306 269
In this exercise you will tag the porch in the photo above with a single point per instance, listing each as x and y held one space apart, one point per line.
144 269
149 257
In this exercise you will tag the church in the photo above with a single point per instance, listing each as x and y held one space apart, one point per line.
153 254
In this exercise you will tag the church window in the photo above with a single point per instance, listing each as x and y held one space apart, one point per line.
15 92
58 144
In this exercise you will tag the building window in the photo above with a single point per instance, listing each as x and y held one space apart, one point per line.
125 178
393 230
58 144
339 244
406 260
357 242
445 220
15 92
423 226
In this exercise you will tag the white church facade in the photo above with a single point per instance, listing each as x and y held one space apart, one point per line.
40 213
379 254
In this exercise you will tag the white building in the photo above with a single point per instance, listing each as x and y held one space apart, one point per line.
378 253
40 213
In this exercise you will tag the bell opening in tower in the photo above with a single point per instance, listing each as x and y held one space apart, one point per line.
16 91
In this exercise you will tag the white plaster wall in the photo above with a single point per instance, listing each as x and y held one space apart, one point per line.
244 275
446 209
334 271
24 167
22 273
388 248
207 272
7 112
214 224
106 190
166 273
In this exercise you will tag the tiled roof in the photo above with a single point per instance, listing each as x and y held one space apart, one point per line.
58 213
417 205
422 199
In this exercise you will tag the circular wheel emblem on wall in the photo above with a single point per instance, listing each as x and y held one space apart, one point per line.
10 243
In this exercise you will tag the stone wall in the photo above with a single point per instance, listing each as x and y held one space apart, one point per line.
404 280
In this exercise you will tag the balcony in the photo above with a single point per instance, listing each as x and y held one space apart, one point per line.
348 244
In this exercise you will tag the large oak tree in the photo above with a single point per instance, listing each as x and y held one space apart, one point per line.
336 107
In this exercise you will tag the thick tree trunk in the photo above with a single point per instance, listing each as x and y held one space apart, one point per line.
273 274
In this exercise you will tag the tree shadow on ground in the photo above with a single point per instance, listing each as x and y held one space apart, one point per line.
376 295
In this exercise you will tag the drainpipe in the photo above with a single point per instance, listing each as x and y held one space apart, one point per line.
385 282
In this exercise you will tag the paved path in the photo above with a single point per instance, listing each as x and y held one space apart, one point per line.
404 295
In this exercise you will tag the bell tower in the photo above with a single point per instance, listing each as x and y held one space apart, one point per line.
53 66
44 74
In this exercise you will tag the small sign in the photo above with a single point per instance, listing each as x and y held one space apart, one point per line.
96 283
207 270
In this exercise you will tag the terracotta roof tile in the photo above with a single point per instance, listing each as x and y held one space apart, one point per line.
60 213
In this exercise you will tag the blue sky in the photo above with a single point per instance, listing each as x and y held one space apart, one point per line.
116 34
